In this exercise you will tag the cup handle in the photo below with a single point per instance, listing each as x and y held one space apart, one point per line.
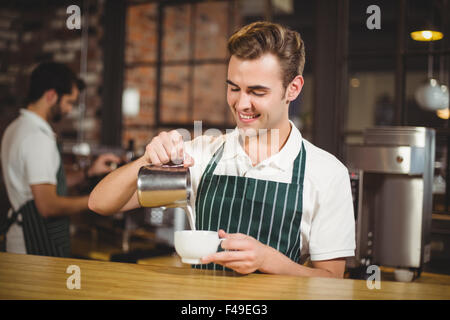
220 241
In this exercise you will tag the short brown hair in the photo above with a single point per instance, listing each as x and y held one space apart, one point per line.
258 38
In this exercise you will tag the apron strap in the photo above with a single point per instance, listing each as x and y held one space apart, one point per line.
297 172
10 221
214 160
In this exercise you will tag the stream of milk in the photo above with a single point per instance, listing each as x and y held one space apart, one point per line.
190 215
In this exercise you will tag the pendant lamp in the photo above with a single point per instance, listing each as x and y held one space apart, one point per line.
426 30
427 33
429 96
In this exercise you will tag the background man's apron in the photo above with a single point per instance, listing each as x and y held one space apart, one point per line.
269 211
46 236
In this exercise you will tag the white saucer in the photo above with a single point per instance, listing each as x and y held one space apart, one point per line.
190 261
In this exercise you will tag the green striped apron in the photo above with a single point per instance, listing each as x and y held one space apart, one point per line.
47 236
269 211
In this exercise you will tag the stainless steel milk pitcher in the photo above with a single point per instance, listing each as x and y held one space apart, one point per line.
166 186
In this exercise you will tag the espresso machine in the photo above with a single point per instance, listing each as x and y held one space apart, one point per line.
391 175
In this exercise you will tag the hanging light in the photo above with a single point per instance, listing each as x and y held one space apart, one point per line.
425 29
429 95
427 35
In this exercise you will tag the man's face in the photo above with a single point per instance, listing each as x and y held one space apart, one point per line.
63 105
255 93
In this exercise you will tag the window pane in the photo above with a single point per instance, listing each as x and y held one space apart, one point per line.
210 103
175 95
176 39
141 35
211 30
371 93
144 80
354 139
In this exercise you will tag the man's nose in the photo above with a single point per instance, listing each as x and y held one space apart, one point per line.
243 102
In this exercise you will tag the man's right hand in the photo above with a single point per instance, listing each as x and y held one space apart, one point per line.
167 147
117 191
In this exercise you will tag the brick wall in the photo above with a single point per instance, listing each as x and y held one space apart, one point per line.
188 91
29 35
140 58
10 68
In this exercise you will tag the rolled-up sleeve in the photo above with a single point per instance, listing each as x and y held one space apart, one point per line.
332 233
41 159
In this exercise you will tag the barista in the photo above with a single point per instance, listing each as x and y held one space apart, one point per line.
275 197
33 171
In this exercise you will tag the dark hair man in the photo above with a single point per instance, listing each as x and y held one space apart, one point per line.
32 166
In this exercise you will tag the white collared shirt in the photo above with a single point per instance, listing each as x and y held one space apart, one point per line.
29 156
328 225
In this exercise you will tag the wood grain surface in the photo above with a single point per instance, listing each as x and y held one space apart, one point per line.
37 277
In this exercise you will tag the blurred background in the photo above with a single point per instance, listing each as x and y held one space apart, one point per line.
158 65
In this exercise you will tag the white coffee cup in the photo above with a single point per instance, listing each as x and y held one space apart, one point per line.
192 245
403 275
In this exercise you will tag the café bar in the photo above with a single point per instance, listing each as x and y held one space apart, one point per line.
224 150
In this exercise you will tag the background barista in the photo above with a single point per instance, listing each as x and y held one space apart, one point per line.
273 207
33 170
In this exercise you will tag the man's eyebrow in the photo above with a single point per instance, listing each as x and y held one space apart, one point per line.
231 82
255 87
258 87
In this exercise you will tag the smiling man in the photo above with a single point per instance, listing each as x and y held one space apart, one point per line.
275 197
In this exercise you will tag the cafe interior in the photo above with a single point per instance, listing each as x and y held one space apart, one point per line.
375 95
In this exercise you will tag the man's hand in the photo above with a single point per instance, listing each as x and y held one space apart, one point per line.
102 164
167 147
244 253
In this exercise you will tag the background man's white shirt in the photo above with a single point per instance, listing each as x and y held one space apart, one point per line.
29 156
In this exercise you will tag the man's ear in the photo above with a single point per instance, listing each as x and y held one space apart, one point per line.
294 88
51 96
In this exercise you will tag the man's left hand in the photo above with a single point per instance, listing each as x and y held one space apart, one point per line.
244 254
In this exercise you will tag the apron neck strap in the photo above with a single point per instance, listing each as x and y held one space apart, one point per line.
297 171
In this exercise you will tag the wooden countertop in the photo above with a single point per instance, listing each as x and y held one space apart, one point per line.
37 277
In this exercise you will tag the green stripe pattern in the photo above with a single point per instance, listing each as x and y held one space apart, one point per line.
269 211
